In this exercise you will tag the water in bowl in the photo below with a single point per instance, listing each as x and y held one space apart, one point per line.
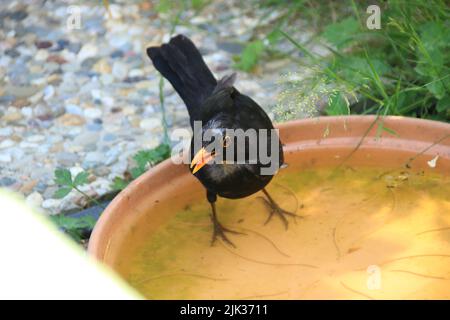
364 233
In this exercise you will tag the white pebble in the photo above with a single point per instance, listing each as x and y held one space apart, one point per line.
6 143
87 51
27 112
25 144
6 132
36 138
41 55
75 170
92 113
136 73
120 70
150 123
73 109
49 92
51 203
5 158
34 200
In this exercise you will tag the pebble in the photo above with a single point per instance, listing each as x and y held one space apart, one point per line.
95 127
120 70
61 44
5 157
74 109
27 112
21 91
93 159
41 55
75 170
6 182
7 143
49 92
12 117
4 132
51 203
66 159
92 113
149 123
86 138
36 138
28 186
43 44
87 51
18 15
34 200
71 120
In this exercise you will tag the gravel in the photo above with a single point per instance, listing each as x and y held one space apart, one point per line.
89 98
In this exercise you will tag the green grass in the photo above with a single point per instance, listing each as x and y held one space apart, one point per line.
401 69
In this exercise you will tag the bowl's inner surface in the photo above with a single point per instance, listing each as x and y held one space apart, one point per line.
364 233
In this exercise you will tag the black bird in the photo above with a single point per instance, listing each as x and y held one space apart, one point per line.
220 107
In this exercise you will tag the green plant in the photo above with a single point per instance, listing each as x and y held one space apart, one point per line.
250 56
401 69
75 227
143 160
67 183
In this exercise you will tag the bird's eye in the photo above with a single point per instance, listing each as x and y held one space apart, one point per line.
226 141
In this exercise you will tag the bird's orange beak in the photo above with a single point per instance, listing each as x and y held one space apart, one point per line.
201 158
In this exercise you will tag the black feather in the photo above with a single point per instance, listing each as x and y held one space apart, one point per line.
180 62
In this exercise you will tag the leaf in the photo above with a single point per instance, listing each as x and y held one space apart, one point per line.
341 34
443 105
436 88
62 221
153 156
81 178
274 36
357 69
62 192
74 226
250 56
163 6
337 105
198 4
136 172
63 177
119 184
434 35
86 222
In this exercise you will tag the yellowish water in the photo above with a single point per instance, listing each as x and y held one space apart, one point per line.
365 233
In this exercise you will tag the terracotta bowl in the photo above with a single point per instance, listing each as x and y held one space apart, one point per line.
310 143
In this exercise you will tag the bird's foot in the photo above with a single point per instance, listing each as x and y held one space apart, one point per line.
220 231
275 209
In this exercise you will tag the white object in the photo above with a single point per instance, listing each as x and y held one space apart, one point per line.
432 162
39 262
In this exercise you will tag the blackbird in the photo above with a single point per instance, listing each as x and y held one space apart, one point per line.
222 109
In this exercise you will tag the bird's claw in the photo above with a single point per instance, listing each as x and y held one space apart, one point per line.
220 231
275 209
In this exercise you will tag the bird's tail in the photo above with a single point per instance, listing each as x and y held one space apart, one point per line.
180 62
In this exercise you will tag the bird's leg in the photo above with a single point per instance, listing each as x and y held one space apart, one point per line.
218 229
276 210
